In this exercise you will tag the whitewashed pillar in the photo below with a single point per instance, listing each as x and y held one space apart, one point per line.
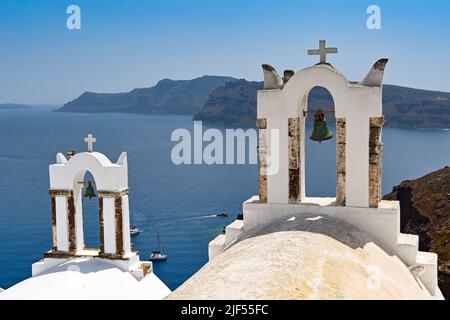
114 223
107 224
79 232
357 162
126 237
63 225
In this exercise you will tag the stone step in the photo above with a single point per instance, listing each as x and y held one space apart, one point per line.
423 263
408 239
233 231
407 248
429 262
427 258
216 246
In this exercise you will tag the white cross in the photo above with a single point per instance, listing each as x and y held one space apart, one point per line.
90 142
322 51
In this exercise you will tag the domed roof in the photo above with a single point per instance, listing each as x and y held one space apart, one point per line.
303 258
87 278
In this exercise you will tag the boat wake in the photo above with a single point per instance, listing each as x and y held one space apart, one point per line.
185 219
191 218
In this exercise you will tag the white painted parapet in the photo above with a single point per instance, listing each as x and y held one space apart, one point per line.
382 224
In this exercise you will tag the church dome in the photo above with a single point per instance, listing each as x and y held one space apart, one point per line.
87 278
303 258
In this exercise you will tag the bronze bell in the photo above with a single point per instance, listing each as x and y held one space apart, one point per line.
320 132
90 193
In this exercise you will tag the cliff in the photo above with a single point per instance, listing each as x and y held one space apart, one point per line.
232 104
167 97
402 107
228 101
425 211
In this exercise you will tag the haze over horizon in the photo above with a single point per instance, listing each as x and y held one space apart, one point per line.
134 44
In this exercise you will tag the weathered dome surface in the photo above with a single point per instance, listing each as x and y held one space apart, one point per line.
303 258
87 278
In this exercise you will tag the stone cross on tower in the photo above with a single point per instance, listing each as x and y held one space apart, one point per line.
322 51
90 142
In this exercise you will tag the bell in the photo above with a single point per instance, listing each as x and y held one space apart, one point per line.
320 131
89 191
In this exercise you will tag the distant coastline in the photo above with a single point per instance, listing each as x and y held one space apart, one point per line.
229 101
14 106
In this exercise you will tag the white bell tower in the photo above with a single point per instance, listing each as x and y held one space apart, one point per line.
66 192
282 107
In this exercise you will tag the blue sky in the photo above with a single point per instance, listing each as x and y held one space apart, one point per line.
134 43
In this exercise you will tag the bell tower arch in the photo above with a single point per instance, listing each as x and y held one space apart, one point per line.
320 146
66 191
281 107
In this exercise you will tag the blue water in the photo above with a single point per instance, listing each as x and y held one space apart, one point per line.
176 201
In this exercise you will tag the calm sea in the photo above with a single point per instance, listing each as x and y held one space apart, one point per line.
176 201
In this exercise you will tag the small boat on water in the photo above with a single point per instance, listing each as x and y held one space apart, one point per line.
157 255
222 215
134 231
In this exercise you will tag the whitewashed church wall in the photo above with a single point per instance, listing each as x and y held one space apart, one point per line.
126 225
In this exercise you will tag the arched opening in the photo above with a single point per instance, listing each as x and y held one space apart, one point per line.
320 158
87 212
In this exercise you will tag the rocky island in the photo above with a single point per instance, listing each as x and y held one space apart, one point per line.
166 97
232 102
425 211
235 104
